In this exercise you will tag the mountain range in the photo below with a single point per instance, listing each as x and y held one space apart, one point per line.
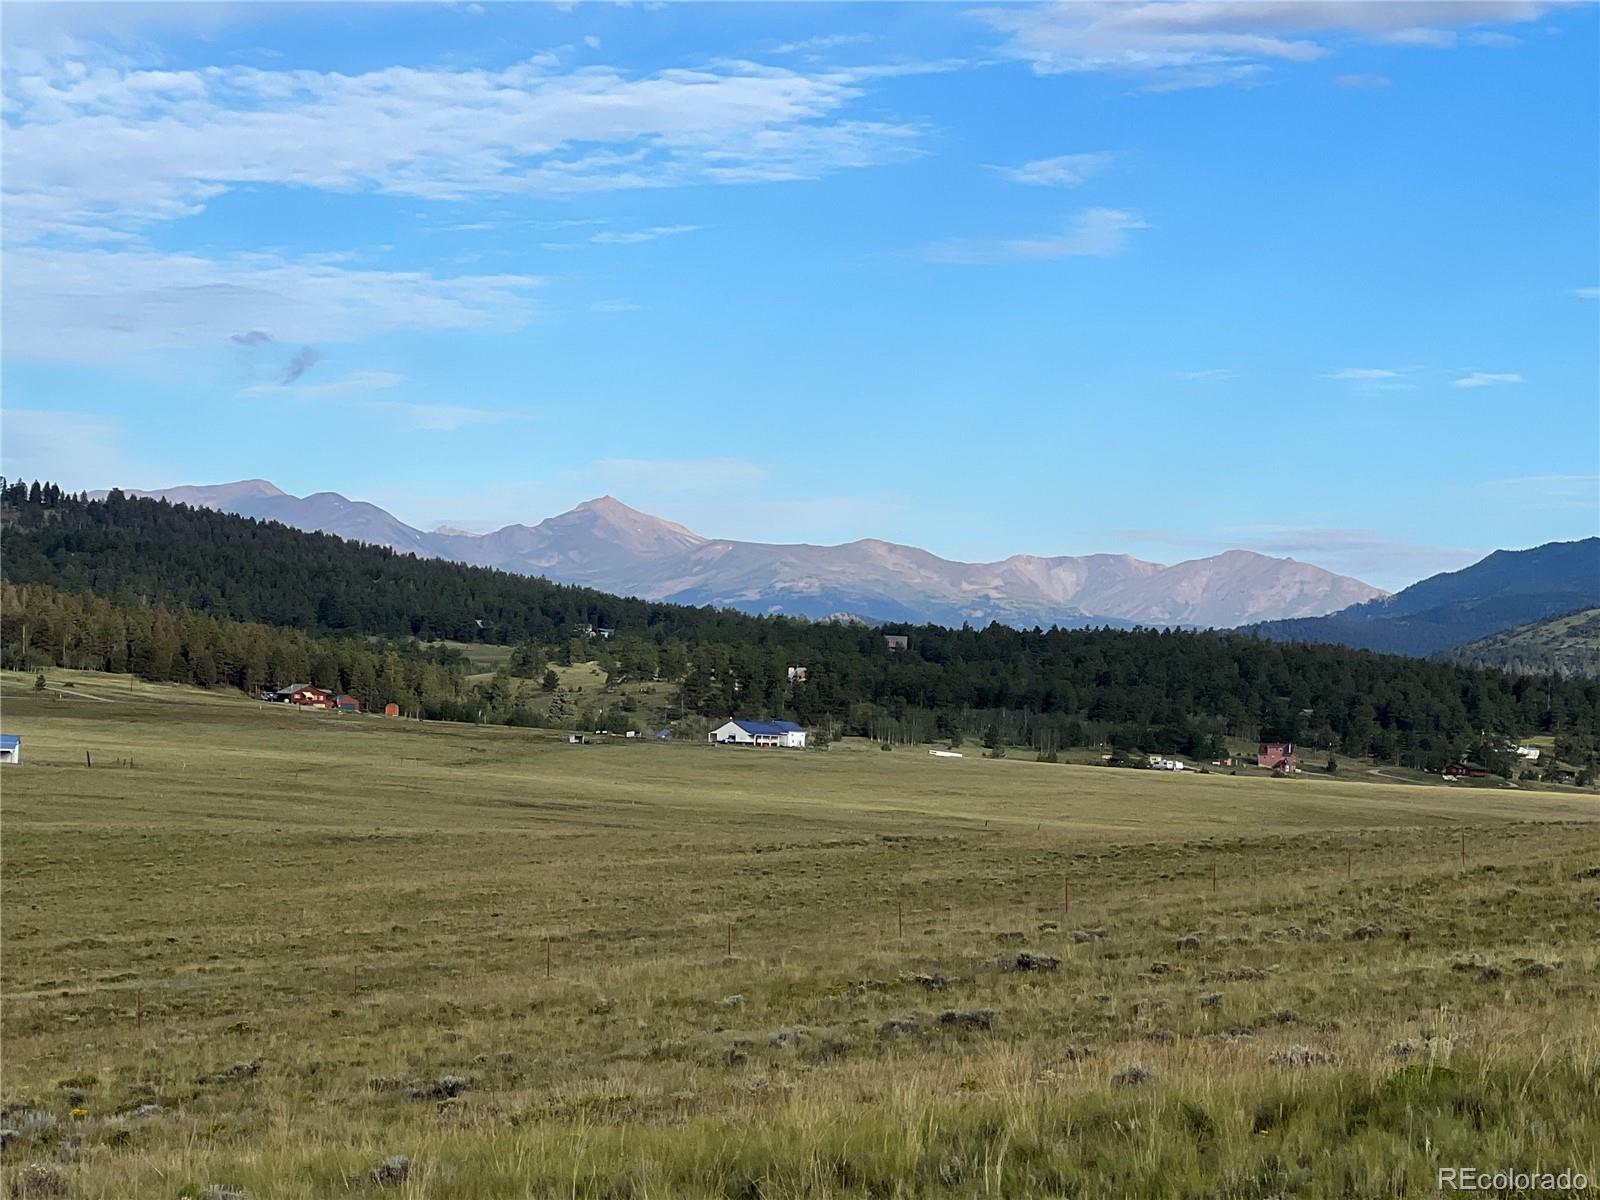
1507 589
604 544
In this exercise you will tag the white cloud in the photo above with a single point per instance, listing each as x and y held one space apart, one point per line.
1065 170
1364 374
1208 42
1496 41
831 41
92 305
1362 81
614 306
632 237
1437 39
1093 233
1481 379
1587 293
1208 373
98 149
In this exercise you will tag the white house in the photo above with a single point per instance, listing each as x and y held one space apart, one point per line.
1531 753
740 732
1166 764
11 749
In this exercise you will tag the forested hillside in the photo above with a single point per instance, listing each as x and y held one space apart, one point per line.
1564 645
178 593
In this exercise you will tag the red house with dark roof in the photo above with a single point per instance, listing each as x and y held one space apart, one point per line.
1278 756
306 695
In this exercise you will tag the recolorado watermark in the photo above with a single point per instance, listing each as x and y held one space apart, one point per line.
1472 1179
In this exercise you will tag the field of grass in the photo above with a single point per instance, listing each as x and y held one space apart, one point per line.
256 951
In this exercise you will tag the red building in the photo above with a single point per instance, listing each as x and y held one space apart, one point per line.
1466 771
1279 756
306 696
347 704
391 709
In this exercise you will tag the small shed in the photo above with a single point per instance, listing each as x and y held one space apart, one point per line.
897 641
391 709
11 749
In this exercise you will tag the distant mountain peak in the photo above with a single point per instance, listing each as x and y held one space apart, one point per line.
255 487
615 513
605 544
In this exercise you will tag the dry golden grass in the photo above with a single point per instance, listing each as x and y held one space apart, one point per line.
279 926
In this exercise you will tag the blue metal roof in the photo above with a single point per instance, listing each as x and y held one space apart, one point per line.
10 741
768 727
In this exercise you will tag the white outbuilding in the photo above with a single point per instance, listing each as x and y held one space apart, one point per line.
742 732
11 749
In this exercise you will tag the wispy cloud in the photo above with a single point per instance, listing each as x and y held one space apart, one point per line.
1362 81
1208 373
830 41
1064 170
1093 233
1209 43
632 237
1483 379
1587 293
98 149
1364 374
97 305
365 390
614 306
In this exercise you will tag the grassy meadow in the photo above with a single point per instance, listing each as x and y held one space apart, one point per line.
260 952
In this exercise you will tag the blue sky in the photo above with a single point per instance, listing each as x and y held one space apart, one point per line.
1317 279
